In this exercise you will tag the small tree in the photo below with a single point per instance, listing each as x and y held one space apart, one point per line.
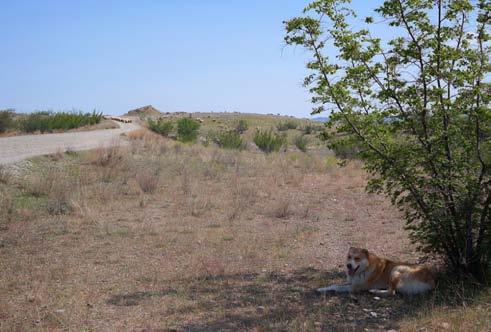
187 130
6 120
419 106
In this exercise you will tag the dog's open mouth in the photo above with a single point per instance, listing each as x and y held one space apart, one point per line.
351 272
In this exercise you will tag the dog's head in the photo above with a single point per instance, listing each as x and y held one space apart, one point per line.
356 261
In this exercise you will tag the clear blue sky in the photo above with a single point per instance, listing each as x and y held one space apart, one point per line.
194 55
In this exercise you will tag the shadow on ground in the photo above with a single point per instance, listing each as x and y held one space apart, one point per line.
273 301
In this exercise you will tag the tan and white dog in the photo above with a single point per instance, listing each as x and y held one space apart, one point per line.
366 271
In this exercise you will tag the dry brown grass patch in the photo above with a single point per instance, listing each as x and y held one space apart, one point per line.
148 180
282 209
5 174
106 156
171 258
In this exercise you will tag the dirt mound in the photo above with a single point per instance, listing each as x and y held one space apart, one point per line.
148 110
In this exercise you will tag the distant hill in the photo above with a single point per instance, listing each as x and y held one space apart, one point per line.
320 119
145 111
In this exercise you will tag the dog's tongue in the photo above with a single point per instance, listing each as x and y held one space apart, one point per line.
351 272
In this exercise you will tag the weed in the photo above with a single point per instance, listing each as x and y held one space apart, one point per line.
301 142
268 141
5 174
282 209
241 126
6 207
148 180
185 180
283 126
106 156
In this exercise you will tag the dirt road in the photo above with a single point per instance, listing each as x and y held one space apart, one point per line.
17 148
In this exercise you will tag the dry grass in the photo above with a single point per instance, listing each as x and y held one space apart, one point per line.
282 209
106 156
165 236
5 174
148 180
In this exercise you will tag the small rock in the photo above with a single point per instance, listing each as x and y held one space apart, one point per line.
373 314
376 298
445 325
261 308
60 311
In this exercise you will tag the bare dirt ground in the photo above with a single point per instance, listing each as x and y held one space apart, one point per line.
160 236
17 148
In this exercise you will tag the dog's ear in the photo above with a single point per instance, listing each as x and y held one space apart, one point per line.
365 251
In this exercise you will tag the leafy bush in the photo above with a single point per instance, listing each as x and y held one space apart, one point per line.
6 120
423 135
269 141
187 130
241 126
49 121
283 126
301 142
229 140
160 126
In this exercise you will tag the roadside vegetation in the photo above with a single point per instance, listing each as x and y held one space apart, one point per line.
46 122
160 126
6 120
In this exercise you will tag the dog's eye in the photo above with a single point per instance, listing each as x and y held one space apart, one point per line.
349 257
357 259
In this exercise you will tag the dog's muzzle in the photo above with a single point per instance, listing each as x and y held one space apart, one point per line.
351 270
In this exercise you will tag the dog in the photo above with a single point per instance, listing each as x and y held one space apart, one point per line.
368 272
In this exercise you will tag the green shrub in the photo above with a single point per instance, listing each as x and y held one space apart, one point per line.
241 126
160 126
269 141
301 142
309 129
344 147
6 120
229 140
49 121
187 130
283 126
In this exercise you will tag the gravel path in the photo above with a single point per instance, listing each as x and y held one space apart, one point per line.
17 148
